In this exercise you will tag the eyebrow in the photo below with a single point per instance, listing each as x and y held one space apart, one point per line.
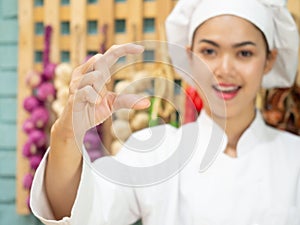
235 45
209 42
243 44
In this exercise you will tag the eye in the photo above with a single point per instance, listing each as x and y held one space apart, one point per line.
245 53
208 51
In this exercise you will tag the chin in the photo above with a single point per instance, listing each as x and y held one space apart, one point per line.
228 112
229 109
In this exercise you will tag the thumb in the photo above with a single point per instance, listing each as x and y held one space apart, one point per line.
130 101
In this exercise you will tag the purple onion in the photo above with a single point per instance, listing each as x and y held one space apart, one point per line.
49 71
35 161
42 150
46 92
47 38
29 149
30 103
91 140
40 117
28 125
27 181
38 137
103 47
94 154
28 202
87 58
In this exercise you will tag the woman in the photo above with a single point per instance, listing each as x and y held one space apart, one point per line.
239 171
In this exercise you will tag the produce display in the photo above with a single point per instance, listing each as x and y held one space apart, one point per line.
281 108
38 107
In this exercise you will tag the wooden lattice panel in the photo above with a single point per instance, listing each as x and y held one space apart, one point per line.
127 21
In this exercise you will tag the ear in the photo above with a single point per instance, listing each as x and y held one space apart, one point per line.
271 59
188 50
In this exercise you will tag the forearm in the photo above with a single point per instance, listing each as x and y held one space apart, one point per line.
63 171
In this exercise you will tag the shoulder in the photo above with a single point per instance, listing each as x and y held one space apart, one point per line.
275 137
286 144
283 136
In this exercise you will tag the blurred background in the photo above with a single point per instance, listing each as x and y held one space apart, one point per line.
41 41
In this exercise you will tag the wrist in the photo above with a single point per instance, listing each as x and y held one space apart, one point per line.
59 129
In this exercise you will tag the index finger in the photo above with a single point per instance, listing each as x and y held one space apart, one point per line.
89 65
112 55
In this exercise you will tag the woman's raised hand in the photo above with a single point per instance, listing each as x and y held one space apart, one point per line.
90 103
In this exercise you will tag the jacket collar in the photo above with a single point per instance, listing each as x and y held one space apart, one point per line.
217 142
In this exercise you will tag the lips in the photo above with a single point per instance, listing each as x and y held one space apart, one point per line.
226 91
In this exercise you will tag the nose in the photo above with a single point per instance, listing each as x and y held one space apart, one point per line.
224 66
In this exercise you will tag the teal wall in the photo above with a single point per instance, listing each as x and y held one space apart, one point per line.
8 109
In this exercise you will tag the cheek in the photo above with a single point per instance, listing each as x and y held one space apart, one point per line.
201 72
252 71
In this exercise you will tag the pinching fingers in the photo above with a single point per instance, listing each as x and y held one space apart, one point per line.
112 55
85 95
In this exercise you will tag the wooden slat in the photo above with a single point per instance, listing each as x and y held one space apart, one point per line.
149 10
65 13
121 39
51 18
135 23
163 9
150 36
106 16
38 67
100 36
121 10
294 7
135 27
78 32
93 42
93 11
65 43
38 13
25 63
38 42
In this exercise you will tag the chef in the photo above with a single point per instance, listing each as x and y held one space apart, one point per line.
228 167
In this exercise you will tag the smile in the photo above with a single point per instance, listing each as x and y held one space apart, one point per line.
225 91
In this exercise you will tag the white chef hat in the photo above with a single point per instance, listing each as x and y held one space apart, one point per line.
270 16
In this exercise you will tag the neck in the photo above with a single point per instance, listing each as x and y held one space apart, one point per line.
234 127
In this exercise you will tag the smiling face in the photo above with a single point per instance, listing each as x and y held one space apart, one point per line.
235 52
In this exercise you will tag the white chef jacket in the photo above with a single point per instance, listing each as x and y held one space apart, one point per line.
259 187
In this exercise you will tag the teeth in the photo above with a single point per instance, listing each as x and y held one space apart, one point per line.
226 89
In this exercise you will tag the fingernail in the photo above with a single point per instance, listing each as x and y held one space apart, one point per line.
146 102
